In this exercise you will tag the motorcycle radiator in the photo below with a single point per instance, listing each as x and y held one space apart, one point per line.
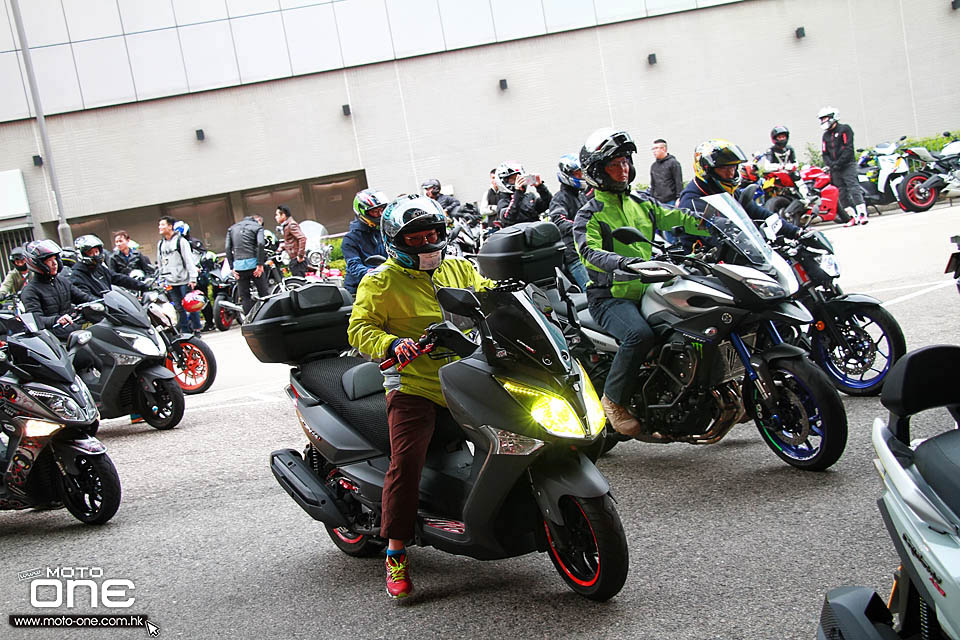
733 368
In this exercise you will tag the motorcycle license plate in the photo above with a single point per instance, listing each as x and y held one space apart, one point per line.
954 264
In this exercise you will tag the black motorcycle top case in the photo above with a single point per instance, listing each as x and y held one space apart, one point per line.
299 325
529 251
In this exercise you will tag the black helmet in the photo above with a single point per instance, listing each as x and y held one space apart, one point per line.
84 244
68 256
410 214
776 131
602 146
432 183
17 253
37 252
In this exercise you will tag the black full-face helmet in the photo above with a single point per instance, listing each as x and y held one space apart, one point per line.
17 253
777 131
37 252
602 146
84 244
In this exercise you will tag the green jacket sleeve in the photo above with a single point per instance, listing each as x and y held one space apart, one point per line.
9 285
365 331
668 218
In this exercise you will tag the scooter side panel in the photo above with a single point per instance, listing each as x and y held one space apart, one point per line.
336 441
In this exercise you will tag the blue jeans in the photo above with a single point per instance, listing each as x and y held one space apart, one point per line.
579 274
621 318
188 321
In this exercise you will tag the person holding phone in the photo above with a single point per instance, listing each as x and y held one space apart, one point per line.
522 196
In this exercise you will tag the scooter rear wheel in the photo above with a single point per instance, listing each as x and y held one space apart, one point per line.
354 544
589 550
92 495
222 318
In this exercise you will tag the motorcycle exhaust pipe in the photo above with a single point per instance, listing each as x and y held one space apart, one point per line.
306 489
231 306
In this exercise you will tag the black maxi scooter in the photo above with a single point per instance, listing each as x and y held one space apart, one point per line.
131 376
507 476
48 455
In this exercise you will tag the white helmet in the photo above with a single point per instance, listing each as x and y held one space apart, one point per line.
827 117
503 171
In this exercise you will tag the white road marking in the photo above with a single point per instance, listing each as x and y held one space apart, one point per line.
901 287
917 294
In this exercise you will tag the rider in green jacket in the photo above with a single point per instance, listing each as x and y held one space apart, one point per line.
607 163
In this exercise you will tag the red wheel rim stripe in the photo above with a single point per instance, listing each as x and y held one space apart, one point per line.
596 576
346 539
195 359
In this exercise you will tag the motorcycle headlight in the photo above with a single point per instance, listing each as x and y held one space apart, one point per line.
62 405
829 265
766 289
143 344
159 316
550 411
34 428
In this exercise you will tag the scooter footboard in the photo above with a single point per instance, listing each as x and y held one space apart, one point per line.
855 612
554 478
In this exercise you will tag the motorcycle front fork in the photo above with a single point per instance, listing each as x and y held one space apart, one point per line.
756 372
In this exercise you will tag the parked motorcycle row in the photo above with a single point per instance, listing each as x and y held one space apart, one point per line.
912 177
751 327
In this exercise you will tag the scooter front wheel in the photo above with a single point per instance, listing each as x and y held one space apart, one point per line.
92 495
589 550
163 409
195 366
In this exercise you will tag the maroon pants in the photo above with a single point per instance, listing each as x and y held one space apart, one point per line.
412 420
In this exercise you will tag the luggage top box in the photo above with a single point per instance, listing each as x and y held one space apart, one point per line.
300 325
529 251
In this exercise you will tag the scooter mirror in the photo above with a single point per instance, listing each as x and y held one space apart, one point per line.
748 193
462 302
93 312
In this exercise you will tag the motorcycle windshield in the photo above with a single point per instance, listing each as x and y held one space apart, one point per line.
520 328
123 308
727 221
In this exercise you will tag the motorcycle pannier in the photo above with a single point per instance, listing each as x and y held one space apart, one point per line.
529 251
300 325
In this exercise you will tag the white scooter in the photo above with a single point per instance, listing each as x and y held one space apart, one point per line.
920 506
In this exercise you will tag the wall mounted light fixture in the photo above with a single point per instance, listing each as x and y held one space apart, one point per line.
200 134
37 161
800 33
503 84
955 4
652 58
346 109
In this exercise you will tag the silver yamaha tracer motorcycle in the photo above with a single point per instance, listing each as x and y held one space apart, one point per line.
709 370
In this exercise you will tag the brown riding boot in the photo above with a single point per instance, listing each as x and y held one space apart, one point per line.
620 418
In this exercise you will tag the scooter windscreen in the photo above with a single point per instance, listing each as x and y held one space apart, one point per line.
123 309
519 327
727 221
41 355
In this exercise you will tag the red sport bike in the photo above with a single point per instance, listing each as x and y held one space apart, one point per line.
801 196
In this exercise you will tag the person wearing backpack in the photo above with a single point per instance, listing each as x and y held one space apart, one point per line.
177 269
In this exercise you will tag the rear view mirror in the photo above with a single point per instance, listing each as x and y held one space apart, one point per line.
748 193
903 137
630 235
462 302
93 312
374 261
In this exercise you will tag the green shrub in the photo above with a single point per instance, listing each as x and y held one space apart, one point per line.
337 253
934 143
814 155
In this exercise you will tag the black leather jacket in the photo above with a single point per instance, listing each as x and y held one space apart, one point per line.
525 207
245 240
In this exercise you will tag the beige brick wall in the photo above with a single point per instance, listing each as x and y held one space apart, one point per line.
732 71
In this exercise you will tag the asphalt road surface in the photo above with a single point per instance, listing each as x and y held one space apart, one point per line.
726 541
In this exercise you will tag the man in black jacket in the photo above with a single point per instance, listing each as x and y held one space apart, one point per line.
563 210
91 276
431 189
839 154
245 253
516 202
125 258
48 295
666 175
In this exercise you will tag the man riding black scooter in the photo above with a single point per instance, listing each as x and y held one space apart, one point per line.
91 275
48 295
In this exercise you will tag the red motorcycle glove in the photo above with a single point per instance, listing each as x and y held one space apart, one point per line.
404 350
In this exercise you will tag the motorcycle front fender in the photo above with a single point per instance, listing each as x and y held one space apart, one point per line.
850 300
792 313
66 451
574 475
150 374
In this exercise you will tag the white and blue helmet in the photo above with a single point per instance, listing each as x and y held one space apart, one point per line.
569 163
410 214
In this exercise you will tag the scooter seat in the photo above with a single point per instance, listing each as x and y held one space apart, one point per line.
367 414
938 461
362 380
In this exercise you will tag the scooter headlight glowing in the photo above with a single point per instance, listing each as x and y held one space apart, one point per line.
550 411
34 428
